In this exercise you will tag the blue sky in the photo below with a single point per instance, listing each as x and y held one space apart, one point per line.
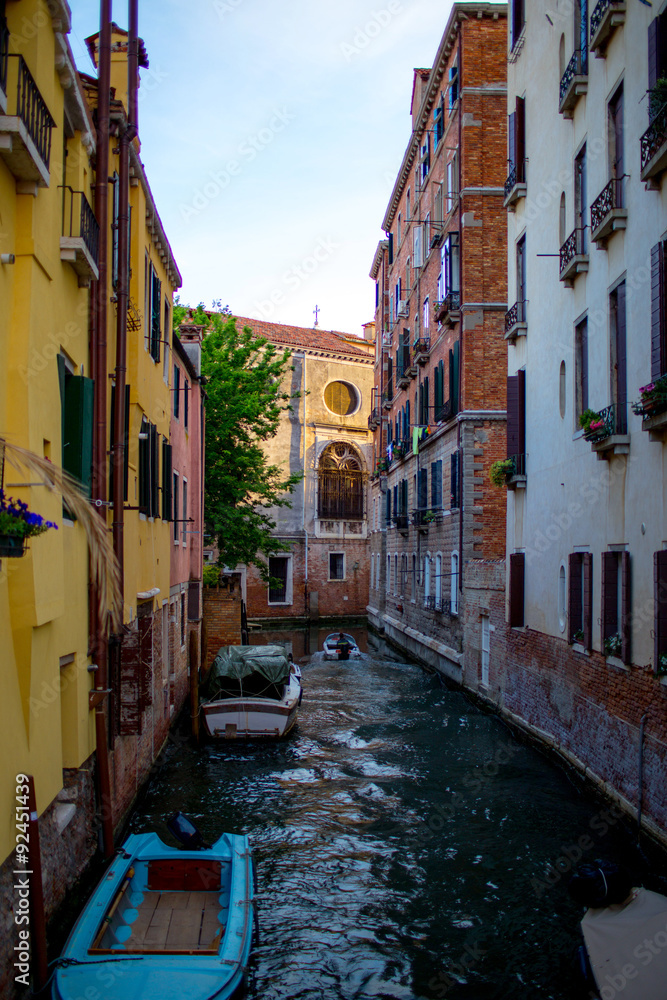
272 134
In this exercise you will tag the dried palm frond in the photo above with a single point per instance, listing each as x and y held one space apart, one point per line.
104 566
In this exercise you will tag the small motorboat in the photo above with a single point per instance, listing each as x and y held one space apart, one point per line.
625 934
251 691
164 922
335 647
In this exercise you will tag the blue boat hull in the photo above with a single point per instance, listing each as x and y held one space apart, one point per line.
173 925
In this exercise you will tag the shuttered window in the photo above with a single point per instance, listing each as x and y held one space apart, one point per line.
516 419
517 584
436 484
176 391
580 598
423 489
166 480
149 467
454 377
126 440
388 507
517 18
658 324
341 398
660 599
619 366
616 600
455 480
156 299
76 402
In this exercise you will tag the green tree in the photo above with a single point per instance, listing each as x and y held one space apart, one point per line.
244 385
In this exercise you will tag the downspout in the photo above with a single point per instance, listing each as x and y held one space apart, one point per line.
460 387
118 449
99 641
303 511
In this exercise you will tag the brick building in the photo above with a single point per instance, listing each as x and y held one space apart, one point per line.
325 434
586 518
438 410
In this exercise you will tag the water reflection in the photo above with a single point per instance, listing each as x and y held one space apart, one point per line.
401 838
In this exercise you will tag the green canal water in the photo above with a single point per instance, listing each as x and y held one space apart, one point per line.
407 845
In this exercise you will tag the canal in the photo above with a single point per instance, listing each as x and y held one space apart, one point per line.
407 844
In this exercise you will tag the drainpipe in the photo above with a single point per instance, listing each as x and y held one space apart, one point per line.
460 387
118 449
99 642
303 510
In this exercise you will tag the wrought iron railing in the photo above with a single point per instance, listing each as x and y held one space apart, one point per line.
610 197
655 135
374 417
452 301
611 420
4 52
438 604
426 516
422 346
443 411
79 220
574 245
519 465
517 314
599 11
340 495
32 110
516 175
577 66
388 393
401 521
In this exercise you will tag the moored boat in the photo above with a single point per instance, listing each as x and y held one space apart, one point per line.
251 691
163 923
335 647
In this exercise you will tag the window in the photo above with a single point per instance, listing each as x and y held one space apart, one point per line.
449 259
280 580
517 19
561 598
658 312
437 205
516 139
166 480
76 419
580 370
562 220
438 124
453 85
450 185
115 218
340 484
184 532
398 232
615 130
407 205
562 390
176 527
619 359
516 589
341 398
516 419
425 158
616 602
336 565
388 507
521 278
436 484
580 198
580 598
152 304
388 580
425 317
182 618
422 489
176 391
413 578
378 571
148 469
427 579
455 480
454 584
486 649
424 402
395 574
660 605
417 246
372 584
126 441
186 402
438 581
404 573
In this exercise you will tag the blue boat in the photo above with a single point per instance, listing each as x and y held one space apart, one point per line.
163 923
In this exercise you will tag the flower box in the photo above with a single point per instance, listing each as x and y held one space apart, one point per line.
12 546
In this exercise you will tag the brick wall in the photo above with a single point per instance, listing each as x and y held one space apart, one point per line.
222 621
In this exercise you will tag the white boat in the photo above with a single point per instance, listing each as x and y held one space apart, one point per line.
250 692
333 646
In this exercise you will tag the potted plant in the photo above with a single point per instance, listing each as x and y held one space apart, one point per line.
661 666
657 98
579 635
652 398
593 425
501 471
18 523
613 645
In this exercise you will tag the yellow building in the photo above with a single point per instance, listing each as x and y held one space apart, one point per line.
70 292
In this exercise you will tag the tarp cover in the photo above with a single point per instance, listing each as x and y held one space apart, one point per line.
247 668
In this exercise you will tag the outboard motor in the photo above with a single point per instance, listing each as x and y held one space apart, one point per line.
186 832
602 883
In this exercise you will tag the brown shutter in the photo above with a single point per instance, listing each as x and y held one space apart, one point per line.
193 600
517 575
625 625
657 311
520 139
574 596
660 598
512 415
587 613
609 595
621 363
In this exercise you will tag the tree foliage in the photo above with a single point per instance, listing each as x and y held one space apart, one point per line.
244 385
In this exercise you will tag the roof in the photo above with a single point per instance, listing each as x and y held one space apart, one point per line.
313 338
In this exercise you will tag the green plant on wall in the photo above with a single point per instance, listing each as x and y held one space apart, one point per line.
501 470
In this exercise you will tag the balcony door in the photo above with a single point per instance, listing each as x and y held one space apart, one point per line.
616 164
580 197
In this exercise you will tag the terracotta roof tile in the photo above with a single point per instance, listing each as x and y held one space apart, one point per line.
299 336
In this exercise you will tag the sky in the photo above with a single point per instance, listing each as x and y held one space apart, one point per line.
272 134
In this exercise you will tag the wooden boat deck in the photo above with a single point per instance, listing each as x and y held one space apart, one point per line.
172 923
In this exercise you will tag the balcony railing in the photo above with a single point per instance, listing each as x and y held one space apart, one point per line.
438 604
421 518
79 220
611 420
33 112
573 82
443 411
401 521
422 348
388 395
573 256
607 211
606 17
515 185
374 418
515 319
653 143
448 309
4 52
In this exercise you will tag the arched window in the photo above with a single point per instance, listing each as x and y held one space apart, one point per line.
372 573
562 220
438 581
427 579
388 580
454 585
413 578
340 484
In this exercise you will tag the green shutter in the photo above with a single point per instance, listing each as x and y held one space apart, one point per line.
166 480
78 429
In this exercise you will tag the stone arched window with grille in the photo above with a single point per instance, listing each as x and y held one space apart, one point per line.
340 493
